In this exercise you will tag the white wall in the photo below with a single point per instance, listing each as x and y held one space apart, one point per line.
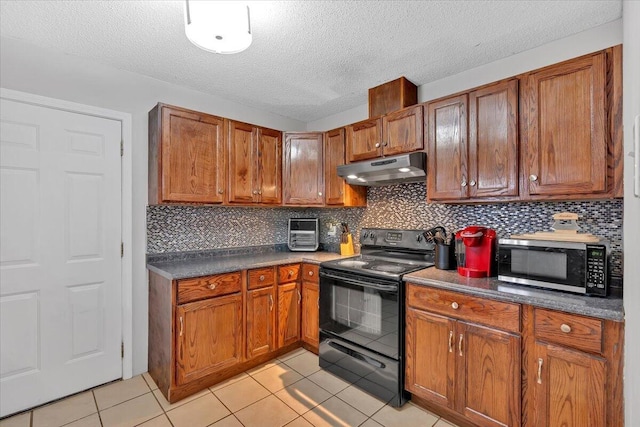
631 237
28 68
598 38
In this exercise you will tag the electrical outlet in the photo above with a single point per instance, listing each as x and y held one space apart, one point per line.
332 230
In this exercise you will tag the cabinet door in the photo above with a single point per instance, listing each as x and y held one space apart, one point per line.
261 321
488 375
241 148
192 157
430 357
270 166
303 178
493 140
447 148
403 131
364 140
209 336
566 121
569 387
337 191
310 327
289 300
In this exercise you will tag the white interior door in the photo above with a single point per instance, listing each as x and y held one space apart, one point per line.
60 266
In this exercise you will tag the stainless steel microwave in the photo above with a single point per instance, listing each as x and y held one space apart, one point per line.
304 234
565 266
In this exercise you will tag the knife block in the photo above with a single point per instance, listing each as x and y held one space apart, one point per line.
347 248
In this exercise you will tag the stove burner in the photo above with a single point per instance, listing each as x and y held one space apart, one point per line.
353 263
389 268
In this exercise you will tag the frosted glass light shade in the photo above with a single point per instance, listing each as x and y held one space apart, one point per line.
218 26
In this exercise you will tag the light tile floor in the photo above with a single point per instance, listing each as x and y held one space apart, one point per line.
289 391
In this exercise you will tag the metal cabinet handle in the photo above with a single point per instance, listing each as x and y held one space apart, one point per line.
311 273
261 278
384 144
472 183
220 191
533 178
450 341
377 145
565 328
319 193
181 325
290 273
460 344
270 302
260 192
211 286
255 191
539 380
463 184
299 296
454 305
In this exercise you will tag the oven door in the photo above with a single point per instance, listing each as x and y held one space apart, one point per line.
362 310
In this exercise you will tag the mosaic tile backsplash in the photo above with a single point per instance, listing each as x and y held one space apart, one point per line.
189 228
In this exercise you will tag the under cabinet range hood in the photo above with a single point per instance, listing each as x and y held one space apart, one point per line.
386 171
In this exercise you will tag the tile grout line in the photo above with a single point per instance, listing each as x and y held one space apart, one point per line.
95 401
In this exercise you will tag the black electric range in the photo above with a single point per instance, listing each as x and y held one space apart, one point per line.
362 310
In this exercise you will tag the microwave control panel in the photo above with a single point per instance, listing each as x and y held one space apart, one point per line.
596 269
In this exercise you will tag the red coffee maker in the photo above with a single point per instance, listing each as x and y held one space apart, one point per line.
475 251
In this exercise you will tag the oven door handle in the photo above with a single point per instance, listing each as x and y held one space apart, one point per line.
379 287
356 355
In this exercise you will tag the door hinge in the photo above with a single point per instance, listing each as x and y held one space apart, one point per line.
121 249
121 148
122 350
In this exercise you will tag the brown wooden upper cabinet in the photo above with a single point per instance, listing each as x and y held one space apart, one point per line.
485 164
255 164
186 156
566 139
337 191
395 133
303 169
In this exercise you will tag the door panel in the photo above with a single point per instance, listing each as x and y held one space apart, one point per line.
60 269
362 138
260 321
303 178
430 366
289 299
310 327
447 148
489 375
403 131
270 166
241 150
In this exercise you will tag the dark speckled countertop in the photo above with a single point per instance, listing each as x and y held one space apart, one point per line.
606 308
205 266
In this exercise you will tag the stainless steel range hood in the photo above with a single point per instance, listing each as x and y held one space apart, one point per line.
386 171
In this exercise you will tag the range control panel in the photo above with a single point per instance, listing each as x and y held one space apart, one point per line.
596 269
407 239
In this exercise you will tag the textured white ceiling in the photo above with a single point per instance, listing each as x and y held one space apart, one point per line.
309 59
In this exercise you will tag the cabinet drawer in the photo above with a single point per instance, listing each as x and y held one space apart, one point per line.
261 277
209 286
310 273
584 333
288 273
501 315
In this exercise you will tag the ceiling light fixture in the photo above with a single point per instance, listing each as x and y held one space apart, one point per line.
218 26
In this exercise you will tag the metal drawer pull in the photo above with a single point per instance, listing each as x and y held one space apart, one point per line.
290 273
454 305
261 278
311 273
533 178
212 286
539 371
565 328
181 325
450 341
220 191
299 296
270 302
460 344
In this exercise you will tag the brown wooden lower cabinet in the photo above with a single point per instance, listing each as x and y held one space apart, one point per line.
511 364
310 299
209 336
468 368
289 301
261 321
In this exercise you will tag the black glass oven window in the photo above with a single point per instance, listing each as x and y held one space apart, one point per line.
533 263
